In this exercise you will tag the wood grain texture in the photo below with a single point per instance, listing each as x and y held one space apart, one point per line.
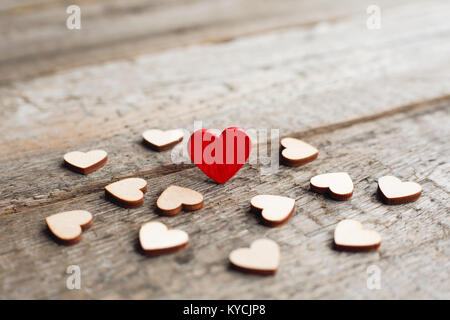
374 103
413 256
35 40
329 76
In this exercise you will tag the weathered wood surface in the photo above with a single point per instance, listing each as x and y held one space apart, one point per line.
324 76
413 257
35 39
374 102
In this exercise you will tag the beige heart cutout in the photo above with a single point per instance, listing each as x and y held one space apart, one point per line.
275 210
350 235
338 185
85 162
128 193
263 257
175 198
156 239
394 191
68 226
162 140
297 152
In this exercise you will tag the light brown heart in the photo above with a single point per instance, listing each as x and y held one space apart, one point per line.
275 210
263 257
175 198
337 185
162 140
68 226
393 191
156 239
350 235
297 152
128 193
85 162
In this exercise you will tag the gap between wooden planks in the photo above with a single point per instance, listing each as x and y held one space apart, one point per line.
321 76
413 256
161 170
335 77
35 40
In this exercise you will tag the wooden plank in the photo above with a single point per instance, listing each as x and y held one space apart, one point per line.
299 80
35 40
413 257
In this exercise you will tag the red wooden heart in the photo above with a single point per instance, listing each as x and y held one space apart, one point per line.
220 157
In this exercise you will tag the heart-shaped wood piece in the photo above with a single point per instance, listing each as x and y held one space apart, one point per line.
156 239
85 162
175 198
393 191
275 210
297 152
162 140
68 226
128 193
220 157
350 235
263 257
337 185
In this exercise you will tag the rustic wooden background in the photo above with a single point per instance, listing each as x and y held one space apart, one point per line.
374 102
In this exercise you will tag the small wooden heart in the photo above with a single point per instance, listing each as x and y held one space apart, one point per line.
263 257
156 239
337 185
275 210
175 198
85 162
68 226
128 193
350 235
162 140
393 191
297 152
